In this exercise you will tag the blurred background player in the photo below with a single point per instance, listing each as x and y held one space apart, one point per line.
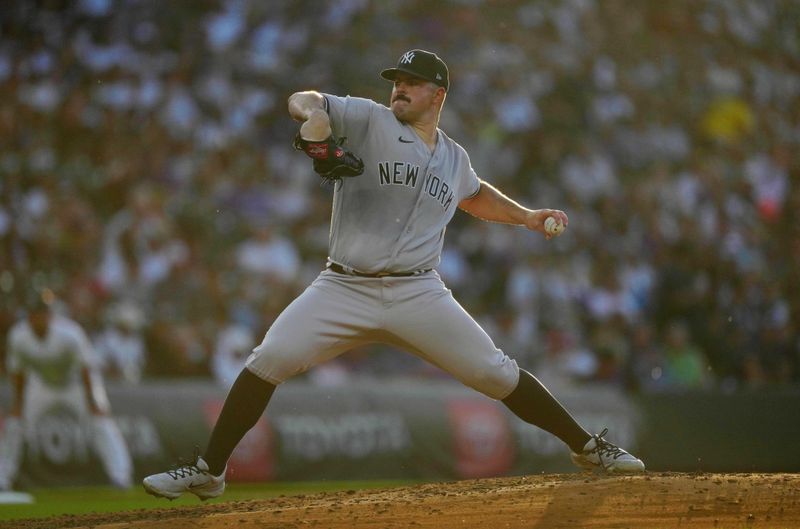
51 363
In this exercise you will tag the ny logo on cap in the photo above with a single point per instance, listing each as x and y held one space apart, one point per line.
407 57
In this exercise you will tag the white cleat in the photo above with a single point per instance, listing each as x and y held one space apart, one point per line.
187 477
599 454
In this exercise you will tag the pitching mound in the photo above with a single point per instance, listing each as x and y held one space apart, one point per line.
659 500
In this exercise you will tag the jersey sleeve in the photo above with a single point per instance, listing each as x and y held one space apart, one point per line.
469 183
349 116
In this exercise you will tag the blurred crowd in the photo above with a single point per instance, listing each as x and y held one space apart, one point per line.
147 176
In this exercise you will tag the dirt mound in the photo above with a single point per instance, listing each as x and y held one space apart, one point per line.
543 501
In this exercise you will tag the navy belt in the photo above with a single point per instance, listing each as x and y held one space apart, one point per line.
339 269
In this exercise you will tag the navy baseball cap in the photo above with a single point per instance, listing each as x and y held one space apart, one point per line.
423 64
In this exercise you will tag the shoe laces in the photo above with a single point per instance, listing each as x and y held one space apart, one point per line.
184 468
606 449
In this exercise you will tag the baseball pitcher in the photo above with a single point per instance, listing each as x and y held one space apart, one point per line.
398 181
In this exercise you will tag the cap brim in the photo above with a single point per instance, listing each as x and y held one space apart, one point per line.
390 74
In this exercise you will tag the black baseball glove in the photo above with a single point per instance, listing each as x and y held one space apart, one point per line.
331 161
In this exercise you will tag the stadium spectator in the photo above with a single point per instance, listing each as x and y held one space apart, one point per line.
685 365
145 150
234 344
120 344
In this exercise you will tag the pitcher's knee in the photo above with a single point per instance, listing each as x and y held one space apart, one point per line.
497 381
275 363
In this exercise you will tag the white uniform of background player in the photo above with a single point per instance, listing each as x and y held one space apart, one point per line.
51 363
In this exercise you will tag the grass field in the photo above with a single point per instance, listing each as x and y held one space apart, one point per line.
83 500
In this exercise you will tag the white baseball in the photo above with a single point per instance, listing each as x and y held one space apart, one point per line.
552 226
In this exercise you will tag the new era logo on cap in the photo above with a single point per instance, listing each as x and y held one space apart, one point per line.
423 64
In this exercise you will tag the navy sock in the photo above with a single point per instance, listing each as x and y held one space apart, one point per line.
534 404
246 401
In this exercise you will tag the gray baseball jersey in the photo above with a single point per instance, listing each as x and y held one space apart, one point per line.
391 218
